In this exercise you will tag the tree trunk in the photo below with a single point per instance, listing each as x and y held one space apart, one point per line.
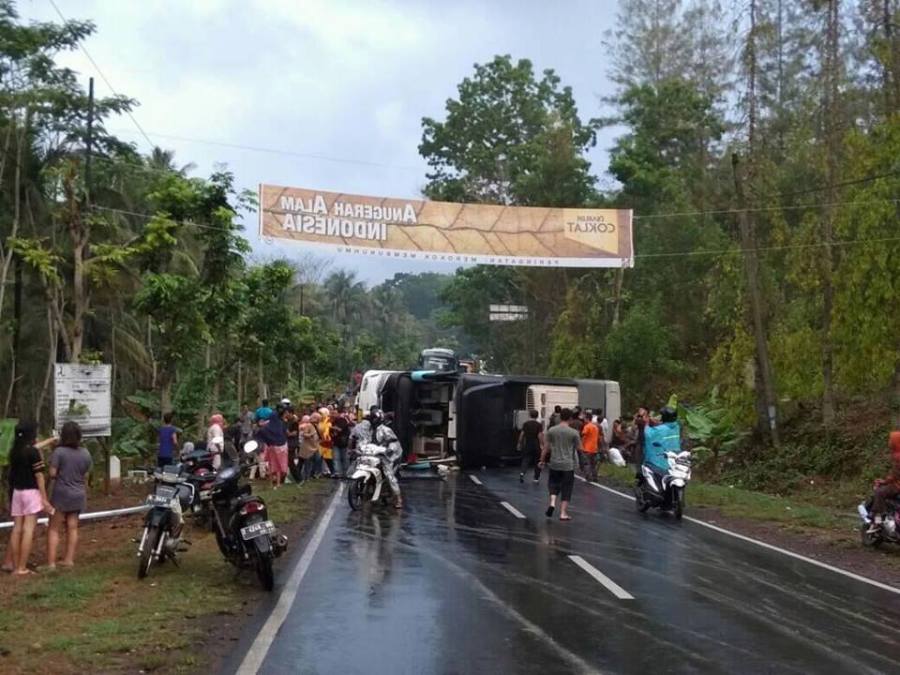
17 332
831 68
617 295
766 398
52 335
17 213
896 403
165 391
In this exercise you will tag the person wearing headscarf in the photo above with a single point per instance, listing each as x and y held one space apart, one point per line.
309 446
325 442
215 439
888 487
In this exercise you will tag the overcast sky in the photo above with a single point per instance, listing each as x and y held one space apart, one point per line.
308 80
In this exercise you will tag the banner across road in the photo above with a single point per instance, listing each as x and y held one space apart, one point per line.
446 231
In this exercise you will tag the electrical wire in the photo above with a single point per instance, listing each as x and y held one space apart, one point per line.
794 207
277 151
104 78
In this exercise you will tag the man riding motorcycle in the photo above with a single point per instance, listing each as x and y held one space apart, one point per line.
667 435
386 437
888 487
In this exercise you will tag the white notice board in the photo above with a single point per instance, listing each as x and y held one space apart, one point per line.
84 395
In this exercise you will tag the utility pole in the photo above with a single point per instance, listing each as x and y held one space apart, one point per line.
89 141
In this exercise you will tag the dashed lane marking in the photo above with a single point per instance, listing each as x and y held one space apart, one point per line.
607 583
475 479
513 510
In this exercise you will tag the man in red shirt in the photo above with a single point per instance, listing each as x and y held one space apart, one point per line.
590 440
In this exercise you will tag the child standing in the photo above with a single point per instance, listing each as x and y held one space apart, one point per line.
29 493
69 464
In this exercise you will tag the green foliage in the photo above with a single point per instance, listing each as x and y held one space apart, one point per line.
510 138
712 427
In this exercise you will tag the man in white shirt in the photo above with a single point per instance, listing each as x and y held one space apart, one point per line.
604 433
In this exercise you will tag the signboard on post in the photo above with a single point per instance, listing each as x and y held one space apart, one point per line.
446 231
83 394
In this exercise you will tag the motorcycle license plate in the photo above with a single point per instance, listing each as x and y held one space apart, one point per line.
158 500
257 530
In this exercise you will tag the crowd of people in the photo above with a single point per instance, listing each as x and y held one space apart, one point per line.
292 443
577 440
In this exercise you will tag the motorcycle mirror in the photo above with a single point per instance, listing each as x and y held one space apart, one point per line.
250 446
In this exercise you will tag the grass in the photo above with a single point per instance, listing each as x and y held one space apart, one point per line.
736 502
100 617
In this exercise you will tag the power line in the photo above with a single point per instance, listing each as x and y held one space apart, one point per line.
841 184
151 216
104 78
676 214
766 249
278 151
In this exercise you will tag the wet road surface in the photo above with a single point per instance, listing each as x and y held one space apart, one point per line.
473 578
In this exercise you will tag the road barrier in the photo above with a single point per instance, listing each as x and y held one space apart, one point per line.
95 515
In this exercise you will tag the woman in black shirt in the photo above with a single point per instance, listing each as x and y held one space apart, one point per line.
29 493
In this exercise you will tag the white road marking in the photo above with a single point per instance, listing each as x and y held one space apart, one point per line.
255 656
608 583
581 478
772 547
475 479
513 510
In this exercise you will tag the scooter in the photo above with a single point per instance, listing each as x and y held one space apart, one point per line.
890 525
244 533
664 490
367 483
163 524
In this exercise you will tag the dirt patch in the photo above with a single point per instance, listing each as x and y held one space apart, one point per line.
99 617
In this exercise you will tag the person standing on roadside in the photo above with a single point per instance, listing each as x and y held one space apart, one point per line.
323 426
590 442
246 424
29 493
292 431
273 435
309 446
340 440
554 417
605 431
563 444
168 441
69 464
215 439
531 443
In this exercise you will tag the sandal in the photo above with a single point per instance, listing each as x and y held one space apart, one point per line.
565 517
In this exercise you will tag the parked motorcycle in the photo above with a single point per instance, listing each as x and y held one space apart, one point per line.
664 490
199 471
161 537
367 482
244 533
890 525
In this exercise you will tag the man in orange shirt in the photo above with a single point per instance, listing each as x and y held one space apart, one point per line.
590 440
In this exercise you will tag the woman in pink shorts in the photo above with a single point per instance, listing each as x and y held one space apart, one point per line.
274 436
29 493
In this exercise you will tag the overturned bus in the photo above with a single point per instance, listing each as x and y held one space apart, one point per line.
478 417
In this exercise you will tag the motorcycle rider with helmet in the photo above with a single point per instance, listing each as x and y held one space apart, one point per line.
385 437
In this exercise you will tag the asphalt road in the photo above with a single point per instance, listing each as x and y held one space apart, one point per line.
459 583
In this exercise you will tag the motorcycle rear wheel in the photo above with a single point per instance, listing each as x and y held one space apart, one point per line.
264 569
355 494
145 560
640 503
869 540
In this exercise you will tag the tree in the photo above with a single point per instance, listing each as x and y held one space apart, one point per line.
510 139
